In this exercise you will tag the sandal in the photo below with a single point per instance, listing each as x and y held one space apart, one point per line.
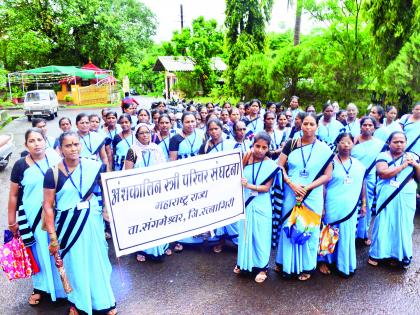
178 248
140 258
108 235
367 242
168 252
34 299
236 270
304 276
394 264
217 249
372 262
114 311
277 269
73 311
260 278
323 268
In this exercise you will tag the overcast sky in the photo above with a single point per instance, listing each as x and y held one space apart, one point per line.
168 15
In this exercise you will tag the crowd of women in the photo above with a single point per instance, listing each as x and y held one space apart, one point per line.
342 168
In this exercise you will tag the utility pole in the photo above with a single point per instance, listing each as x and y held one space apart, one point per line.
182 17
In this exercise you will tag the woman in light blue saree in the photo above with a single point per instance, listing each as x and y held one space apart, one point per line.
25 199
328 127
342 194
306 164
254 122
183 145
366 150
411 127
122 142
396 206
144 153
73 218
93 144
389 125
255 231
217 143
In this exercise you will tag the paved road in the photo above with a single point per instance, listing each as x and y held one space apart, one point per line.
200 282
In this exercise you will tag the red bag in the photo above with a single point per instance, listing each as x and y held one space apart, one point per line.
14 259
34 264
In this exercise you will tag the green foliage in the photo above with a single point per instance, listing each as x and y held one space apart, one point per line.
201 42
245 24
38 33
252 77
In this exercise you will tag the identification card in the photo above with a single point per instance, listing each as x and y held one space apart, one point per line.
254 193
83 205
304 173
394 183
348 180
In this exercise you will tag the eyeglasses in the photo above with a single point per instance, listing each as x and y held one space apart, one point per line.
143 133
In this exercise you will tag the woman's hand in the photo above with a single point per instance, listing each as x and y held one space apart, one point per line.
298 189
14 228
244 182
53 248
363 211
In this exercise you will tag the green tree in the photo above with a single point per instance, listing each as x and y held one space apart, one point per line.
201 42
245 24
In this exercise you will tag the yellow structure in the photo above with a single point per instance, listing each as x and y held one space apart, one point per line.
92 94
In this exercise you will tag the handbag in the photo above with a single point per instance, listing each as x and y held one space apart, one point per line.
14 259
328 238
301 224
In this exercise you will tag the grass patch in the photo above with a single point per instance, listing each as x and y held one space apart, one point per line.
7 121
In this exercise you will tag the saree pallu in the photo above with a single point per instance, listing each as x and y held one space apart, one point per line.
341 205
83 247
47 280
191 145
353 128
367 152
254 244
121 152
412 131
295 259
91 145
394 223
329 133
384 132
253 127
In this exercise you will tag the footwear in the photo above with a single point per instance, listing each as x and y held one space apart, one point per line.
34 299
236 270
114 311
394 263
367 242
277 269
178 248
168 252
73 311
217 249
304 276
323 268
372 262
140 258
108 235
260 278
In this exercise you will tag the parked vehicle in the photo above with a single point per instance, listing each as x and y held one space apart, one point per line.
6 149
41 103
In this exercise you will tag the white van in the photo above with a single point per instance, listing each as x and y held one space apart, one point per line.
40 103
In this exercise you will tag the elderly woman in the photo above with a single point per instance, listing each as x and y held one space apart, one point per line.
396 206
144 153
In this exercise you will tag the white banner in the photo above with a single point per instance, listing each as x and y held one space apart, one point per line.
168 202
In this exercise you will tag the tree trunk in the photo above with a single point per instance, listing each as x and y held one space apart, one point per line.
296 37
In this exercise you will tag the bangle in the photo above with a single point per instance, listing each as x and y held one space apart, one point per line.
12 225
54 244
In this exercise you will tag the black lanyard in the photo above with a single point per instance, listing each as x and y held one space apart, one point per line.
254 179
215 147
164 143
344 168
110 134
89 147
144 160
303 156
132 140
39 167
274 145
71 179
192 144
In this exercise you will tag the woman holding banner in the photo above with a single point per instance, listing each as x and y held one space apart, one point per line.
396 206
366 150
144 153
217 143
25 198
73 219
342 194
306 164
183 145
255 231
